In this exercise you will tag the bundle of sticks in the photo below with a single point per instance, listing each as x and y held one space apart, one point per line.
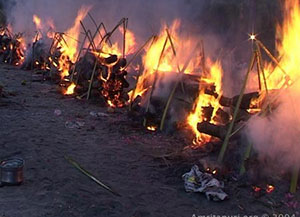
11 48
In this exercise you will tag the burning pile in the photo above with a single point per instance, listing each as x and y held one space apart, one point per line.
175 82
96 69
11 47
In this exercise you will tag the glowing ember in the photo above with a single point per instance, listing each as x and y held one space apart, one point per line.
70 89
152 128
270 189
256 188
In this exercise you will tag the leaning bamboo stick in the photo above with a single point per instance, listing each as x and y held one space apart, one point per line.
175 55
98 30
92 80
294 180
139 74
155 79
261 67
203 62
94 22
88 36
109 34
270 55
77 58
92 177
226 141
246 156
162 123
125 24
134 90
139 51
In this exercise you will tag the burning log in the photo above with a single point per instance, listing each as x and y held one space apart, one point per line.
246 100
218 131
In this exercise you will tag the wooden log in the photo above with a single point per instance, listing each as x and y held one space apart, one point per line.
218 131
246 100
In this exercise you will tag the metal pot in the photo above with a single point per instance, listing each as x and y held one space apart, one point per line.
12 171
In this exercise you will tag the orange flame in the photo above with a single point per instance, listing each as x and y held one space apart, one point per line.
72 37
287 46
37 21
70 89
169 64
204 100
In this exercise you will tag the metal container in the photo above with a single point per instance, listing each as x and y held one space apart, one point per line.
12 171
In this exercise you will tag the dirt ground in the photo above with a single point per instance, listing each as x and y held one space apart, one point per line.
118 152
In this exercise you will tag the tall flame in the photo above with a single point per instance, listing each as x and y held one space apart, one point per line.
168 64
37 21
72 38
287 46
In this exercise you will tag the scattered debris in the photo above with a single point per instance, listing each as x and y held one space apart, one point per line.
74 124
57 112
98 114
197 181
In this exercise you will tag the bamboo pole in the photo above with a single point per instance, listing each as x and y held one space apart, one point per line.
174 89
125 24
203 63
175 55
246 156
88 36
139 50
134 90
155 79
92 177
271 56
294 180
92 80
109 34
139 74
94 22
77 58
261 67
98 30
226 141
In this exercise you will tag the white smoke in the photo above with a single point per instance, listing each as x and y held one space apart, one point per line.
145 17
277 135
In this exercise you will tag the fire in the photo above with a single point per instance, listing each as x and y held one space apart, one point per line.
37 21
152 128
69 49
214 77
287 46
256 188
130 46
270 189
70 89
169 65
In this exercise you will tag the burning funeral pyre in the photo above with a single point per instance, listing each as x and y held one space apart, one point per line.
11 47
175 85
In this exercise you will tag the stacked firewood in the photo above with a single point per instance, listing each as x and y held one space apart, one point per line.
107 75
222 116
11 48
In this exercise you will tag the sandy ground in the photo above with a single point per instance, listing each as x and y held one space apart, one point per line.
118 152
